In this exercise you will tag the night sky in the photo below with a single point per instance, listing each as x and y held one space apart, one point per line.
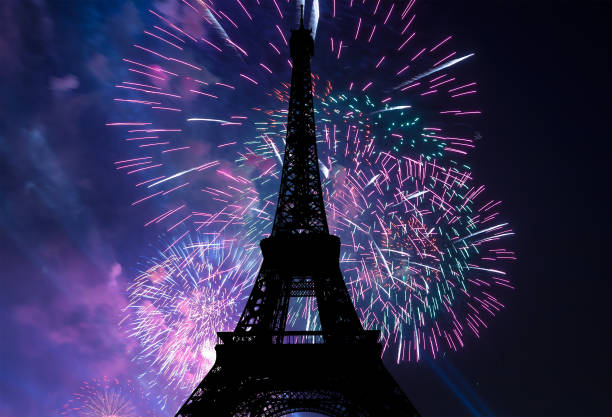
70 242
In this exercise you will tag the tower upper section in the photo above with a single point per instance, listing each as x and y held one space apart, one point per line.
300 200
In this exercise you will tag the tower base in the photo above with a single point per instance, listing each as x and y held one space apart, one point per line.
263 379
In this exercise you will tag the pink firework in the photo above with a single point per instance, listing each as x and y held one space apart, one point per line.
107 397
186 293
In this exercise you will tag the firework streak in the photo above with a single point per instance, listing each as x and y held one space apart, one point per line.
203 113
185 294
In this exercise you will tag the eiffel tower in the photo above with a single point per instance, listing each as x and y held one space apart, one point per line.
262 369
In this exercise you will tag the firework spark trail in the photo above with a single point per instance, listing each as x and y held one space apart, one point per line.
391 109
433 71
420 244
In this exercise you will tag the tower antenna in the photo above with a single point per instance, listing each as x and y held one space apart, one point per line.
301 16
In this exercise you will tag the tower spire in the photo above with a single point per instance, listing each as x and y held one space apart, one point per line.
300 206
301 16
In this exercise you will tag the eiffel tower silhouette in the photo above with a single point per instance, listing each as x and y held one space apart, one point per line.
262 369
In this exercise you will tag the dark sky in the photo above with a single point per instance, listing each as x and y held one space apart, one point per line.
547 67
544 74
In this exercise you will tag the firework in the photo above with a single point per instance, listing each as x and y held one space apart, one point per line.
106 397
418 251
199 77
420 246
185 294
207 97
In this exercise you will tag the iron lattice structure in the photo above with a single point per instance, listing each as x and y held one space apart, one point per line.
300 206
262 369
